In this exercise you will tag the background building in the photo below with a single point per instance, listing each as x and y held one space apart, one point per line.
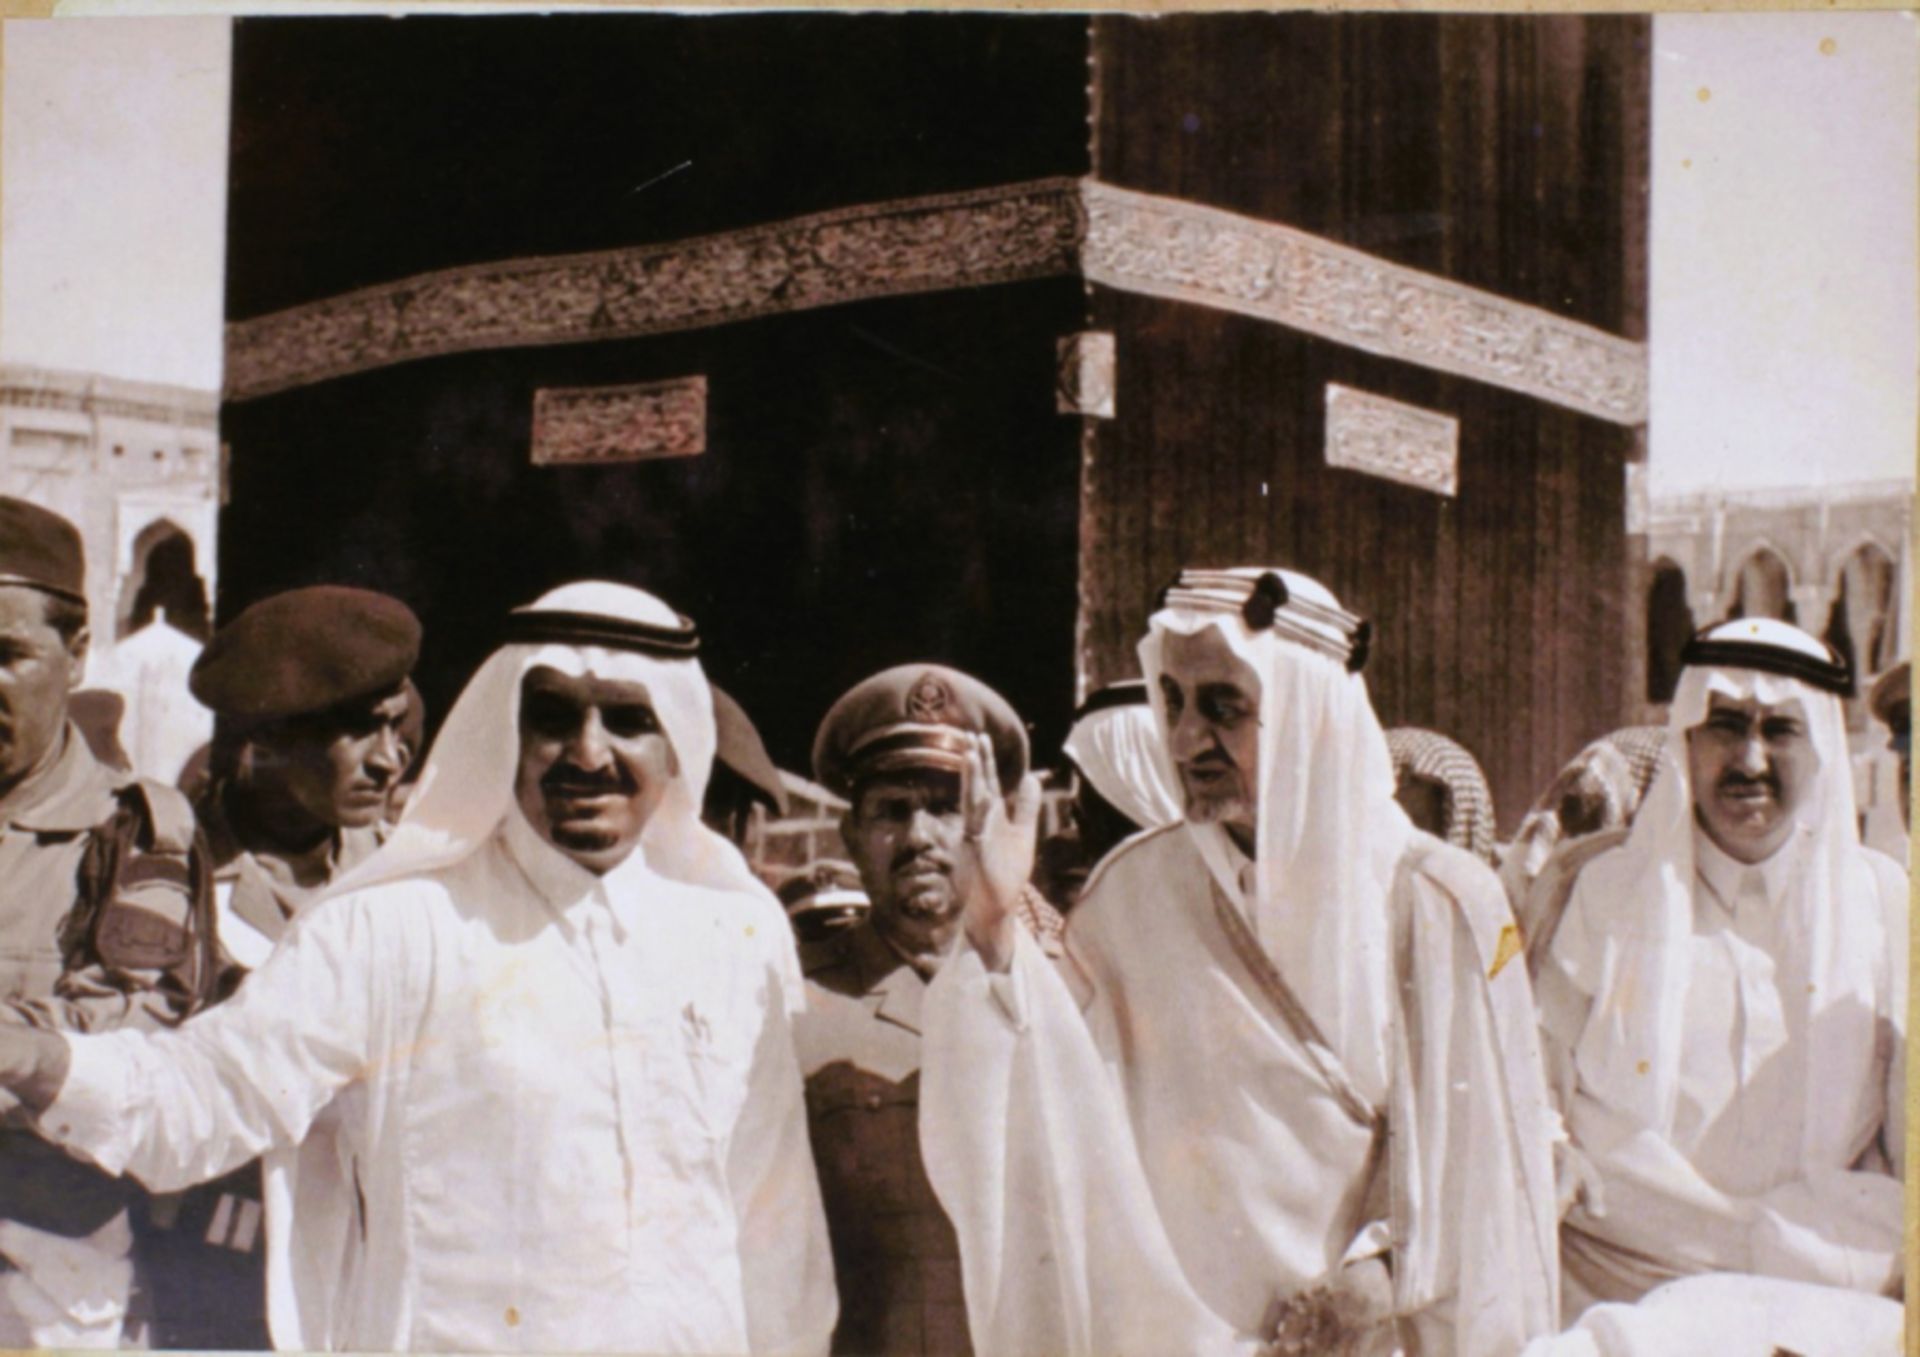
136 466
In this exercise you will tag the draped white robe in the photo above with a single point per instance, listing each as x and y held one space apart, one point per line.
1153 1172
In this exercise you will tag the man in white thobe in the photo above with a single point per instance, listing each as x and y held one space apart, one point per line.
1285 1090
1723 998
526 1077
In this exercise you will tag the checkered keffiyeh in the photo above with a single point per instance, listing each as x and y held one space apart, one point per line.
1469 805
1642 746
1599 789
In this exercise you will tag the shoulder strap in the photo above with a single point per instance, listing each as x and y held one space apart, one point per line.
1292 1012
166 813
154 830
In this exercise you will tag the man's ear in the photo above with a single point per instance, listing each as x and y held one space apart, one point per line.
77 654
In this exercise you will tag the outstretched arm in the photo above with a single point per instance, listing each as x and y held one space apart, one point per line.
179 1107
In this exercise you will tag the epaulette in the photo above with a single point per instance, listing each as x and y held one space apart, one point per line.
167 812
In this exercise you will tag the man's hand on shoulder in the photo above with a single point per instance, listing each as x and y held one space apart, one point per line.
1001 836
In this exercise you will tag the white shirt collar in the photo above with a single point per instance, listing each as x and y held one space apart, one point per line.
1723 874
562 884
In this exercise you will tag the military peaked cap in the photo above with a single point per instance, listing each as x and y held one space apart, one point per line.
915 716
305 651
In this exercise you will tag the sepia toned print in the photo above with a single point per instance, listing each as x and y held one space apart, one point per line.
958 683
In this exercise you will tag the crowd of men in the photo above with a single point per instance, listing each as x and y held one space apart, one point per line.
509 1048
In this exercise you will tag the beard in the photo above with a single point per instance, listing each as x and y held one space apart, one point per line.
1219 808
927 894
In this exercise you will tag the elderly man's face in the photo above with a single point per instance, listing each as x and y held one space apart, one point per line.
594 764
39 669
339 766
905 832
1751 765
1213 727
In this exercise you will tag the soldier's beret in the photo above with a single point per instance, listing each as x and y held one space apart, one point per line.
741 749
41 550
915 716
1892 698
305 651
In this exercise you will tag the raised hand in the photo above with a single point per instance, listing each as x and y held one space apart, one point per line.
1000 835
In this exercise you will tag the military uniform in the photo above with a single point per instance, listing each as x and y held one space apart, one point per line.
895 1257
204 1249
258 893
87 945
105 921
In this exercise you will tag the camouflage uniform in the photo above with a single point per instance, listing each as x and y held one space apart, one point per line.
108 923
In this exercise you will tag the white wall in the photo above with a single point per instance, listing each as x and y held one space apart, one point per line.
113 141
1785 308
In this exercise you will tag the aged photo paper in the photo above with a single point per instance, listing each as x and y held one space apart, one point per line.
1535 344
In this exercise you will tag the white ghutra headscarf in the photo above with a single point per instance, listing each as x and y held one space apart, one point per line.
1627 944
1330 834
1115 743
588 629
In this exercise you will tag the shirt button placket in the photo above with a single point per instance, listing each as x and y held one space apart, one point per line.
609 1028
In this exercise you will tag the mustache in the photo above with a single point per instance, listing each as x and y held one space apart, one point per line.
1213 758
568 777
917 857
1734 780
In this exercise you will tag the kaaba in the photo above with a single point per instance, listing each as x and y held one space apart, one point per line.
870 339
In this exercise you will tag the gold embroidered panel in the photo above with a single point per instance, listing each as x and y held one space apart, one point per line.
1387 438
1163 247
598 424
853 254
1117 238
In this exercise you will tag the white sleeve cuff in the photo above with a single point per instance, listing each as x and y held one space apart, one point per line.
1009 987
90 1114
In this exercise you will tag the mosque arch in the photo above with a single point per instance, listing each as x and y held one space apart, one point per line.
1861 623
1762 585
165 575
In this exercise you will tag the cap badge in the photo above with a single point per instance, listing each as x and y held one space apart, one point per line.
929 698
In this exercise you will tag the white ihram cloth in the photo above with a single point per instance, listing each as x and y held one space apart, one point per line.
1728 1042
507 1103
1119 750
1150 1174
